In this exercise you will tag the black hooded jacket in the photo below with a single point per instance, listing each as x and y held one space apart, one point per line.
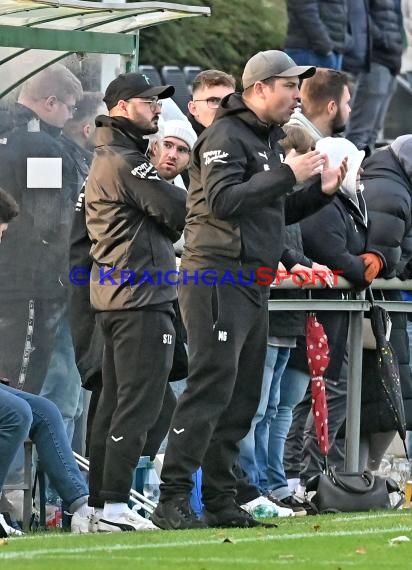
240 194
132 216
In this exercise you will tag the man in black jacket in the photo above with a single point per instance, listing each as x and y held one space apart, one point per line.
40 174
236 214
132 216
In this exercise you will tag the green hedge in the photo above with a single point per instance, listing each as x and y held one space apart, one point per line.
234 32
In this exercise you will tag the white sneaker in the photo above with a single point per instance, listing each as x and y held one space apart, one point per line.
7 530
261 508
84 525
127 521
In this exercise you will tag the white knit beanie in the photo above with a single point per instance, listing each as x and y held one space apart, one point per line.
181 129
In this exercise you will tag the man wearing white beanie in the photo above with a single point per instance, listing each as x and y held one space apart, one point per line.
171 147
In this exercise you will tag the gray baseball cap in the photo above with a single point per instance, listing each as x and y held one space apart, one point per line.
273 63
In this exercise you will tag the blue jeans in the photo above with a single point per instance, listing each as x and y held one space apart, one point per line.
309 57
253 449
293 387
62 383
23 414
370 102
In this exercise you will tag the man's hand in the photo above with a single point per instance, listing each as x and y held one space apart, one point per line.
373 264
332 178
305 165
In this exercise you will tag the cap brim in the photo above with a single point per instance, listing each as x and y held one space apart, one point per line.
303 71
161 91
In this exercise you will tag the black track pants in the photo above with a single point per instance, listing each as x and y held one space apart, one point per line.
137 358
227 337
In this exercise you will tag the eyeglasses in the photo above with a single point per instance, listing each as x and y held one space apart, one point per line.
71 108
154 102
183 150
211 102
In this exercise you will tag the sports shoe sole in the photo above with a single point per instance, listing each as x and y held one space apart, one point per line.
171 524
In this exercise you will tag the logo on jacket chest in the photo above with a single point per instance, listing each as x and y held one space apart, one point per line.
146 170
215 156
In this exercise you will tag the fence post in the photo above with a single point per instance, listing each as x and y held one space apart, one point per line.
354 387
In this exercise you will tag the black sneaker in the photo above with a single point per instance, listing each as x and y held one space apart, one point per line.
232 516
289 503
176 514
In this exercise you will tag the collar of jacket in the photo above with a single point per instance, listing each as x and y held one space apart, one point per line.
23 115
234 104
119 131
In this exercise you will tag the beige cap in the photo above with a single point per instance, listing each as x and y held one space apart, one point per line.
273 63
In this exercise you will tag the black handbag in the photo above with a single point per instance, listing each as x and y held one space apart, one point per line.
351 492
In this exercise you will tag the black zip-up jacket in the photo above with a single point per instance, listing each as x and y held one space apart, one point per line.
237 203
34 252
319 25
132 216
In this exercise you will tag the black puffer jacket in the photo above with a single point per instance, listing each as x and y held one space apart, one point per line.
319 25
388 194
334 236
132 215
386 28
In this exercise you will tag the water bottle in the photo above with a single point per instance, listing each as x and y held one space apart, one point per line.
151 482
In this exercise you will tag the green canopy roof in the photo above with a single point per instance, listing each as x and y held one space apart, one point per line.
34 34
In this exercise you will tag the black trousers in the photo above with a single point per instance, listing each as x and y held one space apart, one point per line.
227 336
28 329
137 358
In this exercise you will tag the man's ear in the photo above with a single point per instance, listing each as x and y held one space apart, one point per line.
87 129
192 108
50 102
332 108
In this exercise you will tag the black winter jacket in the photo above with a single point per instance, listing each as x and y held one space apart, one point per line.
318 25
132 216
388 195
290 323
386 28
34 253
237 203
335 237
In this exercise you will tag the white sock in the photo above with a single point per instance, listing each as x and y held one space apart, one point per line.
84 510
293 484
114 509
98 512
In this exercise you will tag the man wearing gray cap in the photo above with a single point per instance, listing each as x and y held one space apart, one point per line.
239 196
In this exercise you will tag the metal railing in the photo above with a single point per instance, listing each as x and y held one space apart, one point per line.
357 305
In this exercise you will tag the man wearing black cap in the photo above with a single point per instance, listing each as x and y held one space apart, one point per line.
132 217
239 197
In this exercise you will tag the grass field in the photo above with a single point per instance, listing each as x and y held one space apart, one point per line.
336 542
